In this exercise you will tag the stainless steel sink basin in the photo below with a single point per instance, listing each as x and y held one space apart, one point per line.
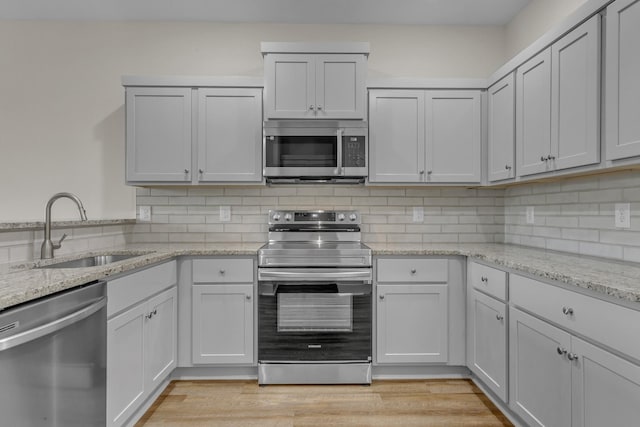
92 261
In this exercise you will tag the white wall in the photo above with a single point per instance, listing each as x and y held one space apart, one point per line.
61 103
534 20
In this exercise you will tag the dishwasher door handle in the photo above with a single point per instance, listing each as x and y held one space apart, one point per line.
54 326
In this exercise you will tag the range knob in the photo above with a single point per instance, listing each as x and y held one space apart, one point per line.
287 217
276 216
340 217
353 217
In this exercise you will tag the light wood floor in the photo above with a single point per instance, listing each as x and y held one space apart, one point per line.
384 403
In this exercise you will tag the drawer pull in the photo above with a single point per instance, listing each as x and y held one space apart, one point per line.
484 279
381 296
561 351
248 296
499 317
572 356
568 311
413 271
222 271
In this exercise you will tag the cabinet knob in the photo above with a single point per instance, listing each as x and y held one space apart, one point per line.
543 158
200 171
572 356
421 172
248 296
567 310
222 271
551 157
507 167
499 317
381 296
484 279
561 351
311 107
186 171
429 172
319 107
413 271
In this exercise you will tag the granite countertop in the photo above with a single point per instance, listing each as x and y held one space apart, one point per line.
22 283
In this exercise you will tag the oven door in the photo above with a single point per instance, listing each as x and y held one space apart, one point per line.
314 321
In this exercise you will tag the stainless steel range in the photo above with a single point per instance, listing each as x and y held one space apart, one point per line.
314 300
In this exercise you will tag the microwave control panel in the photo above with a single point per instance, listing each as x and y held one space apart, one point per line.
353 151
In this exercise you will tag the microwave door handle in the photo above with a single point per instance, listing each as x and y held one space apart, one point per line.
339 151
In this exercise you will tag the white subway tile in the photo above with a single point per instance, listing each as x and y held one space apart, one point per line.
404 238
563 245
584 235
600 250
186 237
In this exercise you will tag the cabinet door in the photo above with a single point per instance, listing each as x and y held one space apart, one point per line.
575 106
341 87
412 323
125 364
606 388
539 371
396 136
533 114
488 352
229 135
289 86
501 129
622 86
453 136
158 134
161 337
222 324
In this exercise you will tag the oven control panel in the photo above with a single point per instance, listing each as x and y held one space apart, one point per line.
314 217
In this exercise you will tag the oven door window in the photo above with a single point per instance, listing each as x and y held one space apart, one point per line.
315 312
315 151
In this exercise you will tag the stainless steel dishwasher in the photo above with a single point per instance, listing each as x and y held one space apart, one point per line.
53 360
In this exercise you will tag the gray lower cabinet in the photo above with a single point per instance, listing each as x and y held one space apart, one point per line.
141 338
223 311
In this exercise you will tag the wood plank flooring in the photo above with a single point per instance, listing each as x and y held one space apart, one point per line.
385 403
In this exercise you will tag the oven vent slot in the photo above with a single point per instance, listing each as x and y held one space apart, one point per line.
8 327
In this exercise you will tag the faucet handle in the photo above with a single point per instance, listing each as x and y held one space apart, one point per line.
59 244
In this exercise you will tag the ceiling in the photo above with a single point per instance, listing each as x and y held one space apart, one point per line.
429 12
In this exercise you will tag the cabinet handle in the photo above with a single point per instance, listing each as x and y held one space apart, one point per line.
429 172
200 171
507 167
421 172
319 107
311 107
248 296
567 310
561 351
543 158
572 356
222 271
551 157
151 314
381 296
484 279
186 171
413 271
499 317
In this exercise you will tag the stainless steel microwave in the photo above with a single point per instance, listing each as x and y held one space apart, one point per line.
315 151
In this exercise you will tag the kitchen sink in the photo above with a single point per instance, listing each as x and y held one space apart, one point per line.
91 261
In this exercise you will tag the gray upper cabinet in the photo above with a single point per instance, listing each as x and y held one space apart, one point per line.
558 104
501 129
418 136
158 131
229 134
622 85
185 135
315 86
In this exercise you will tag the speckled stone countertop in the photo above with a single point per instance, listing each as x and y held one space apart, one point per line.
21 283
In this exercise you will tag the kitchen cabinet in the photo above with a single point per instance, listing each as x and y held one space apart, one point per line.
412 311
431 136
172 131
223 311
141 338
487 327
229 135
501 129
622 85
315 86
158 132
557 104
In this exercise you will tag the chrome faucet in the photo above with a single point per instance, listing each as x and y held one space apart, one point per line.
46 251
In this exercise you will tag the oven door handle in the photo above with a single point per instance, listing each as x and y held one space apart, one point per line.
306 276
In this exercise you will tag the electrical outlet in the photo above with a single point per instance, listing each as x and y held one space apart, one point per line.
530 215
622 215
418 214
225 213
144 213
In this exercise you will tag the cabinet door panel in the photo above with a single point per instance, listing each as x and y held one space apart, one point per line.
489 342
606 388
340 86
161 337
396 136
575 112
290 92
229 135
125 364
501 129
412 323
158 134
222 324
453 136
533 114
622 90
539 374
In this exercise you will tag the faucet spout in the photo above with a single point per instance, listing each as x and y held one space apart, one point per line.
47 248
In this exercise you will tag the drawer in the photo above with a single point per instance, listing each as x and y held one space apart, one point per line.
409 270
223 270
488 280
604 322
138 286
